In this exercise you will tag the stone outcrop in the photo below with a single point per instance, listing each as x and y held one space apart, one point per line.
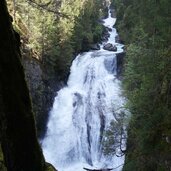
105 34
95 47
33 73
113 13
119 40
110 47
120 63
41 89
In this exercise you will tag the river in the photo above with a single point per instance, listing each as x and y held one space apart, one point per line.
83 111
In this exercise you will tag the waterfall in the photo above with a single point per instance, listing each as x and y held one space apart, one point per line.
83 110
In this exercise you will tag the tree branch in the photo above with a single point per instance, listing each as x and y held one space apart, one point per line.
97 169
44 7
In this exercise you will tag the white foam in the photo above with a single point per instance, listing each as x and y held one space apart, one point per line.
73 139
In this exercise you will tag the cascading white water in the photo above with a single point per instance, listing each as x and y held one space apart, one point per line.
83 110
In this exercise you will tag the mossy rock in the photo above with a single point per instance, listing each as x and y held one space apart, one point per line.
50 167
2 166
1 154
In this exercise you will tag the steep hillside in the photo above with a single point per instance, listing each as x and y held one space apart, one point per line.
52 33
145 28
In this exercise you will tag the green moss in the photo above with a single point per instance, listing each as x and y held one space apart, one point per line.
2 167
49 167
1 155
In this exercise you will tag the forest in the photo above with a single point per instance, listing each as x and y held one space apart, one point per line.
145 28
49 34
52 33
39 40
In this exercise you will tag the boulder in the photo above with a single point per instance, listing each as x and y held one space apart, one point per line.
110 47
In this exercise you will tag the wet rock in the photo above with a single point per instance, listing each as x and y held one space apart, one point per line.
113 13
100 21
41 90
106 30
110 47
95 47
119 40
104 39
120 63
105 34
109 29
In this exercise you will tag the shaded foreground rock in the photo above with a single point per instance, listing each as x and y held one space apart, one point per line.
110 47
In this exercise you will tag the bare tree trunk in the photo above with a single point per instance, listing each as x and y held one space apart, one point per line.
17 126
97 169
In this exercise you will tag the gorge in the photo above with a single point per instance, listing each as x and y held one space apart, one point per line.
88 125
84 110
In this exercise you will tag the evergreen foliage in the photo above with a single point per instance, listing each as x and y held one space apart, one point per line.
57 30
115 136
146 29
20 147
53 32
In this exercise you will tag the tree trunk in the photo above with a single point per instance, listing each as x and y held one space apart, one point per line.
17 126
97 169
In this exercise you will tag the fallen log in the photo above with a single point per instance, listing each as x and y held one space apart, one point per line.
97 169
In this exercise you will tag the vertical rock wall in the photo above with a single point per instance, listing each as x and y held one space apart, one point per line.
41 90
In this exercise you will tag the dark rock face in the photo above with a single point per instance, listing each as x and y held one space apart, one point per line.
109 29
120 63
41 91
110 47
87 47
119 40
95 47
113 13
105 34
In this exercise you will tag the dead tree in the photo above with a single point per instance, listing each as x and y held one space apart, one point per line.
97 169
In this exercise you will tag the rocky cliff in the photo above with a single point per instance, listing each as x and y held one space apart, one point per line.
42 90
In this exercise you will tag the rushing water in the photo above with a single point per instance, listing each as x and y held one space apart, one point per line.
83 111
